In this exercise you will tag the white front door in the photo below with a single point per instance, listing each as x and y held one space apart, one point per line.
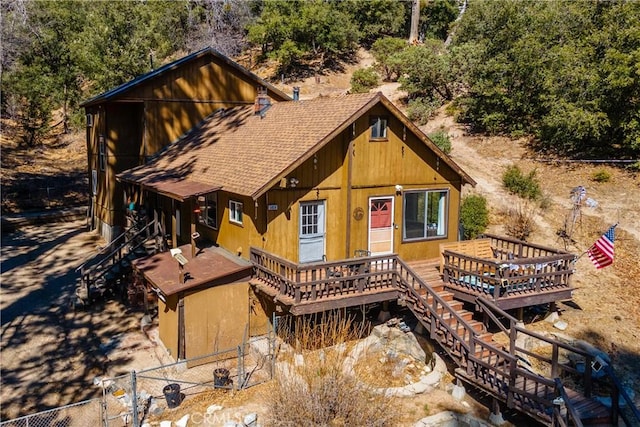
381 225
312 231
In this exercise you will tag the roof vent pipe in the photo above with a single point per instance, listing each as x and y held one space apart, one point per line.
296 93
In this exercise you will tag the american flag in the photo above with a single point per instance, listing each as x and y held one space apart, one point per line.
601 253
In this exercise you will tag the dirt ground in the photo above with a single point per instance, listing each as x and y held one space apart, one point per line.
51 353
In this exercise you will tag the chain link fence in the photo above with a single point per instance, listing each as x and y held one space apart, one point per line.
86 413
147 395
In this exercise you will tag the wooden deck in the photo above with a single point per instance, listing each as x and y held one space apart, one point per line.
515 275
482 362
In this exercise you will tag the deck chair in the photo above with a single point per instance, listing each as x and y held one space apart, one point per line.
332 273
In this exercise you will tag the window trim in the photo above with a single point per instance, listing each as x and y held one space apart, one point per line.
233 210
446 214
373 121
204 211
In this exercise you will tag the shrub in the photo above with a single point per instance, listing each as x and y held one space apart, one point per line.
526 187
474 215
442 140
383 50
545 202
363 79
320 391
519 223
601 176
420 110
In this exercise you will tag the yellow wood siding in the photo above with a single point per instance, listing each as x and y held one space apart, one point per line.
378 166
168 324
168 106
215 318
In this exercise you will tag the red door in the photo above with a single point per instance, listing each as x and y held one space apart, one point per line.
381 225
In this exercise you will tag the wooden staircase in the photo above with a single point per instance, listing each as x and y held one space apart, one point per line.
499 370
105 272
485 364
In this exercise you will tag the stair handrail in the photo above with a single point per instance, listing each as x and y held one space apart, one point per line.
442 302
572 414
618 387
621 391
92 257
488 308
115 251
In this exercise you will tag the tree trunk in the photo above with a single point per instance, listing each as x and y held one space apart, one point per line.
415 21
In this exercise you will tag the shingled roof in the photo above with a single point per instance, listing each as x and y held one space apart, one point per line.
122 90
247 154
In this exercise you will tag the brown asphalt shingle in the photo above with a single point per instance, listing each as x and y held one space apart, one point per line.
242 152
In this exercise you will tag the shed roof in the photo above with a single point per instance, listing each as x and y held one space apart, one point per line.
121 90
247 154
211 266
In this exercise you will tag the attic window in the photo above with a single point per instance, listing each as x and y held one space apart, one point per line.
378 126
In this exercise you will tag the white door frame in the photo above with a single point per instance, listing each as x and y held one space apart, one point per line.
390 251
321 232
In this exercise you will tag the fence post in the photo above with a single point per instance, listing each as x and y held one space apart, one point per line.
103 408
134 399
240 384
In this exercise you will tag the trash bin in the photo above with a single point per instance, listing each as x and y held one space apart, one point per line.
172 394
220 377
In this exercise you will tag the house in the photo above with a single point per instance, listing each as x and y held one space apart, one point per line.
308 180
312 181
273 206
128 124
224 162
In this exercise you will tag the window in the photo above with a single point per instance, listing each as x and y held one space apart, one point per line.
208 210
102 158
378 127
235 212
309 219
425 214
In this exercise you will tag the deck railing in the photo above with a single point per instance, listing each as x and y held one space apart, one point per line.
312 281
517 268
561 360
501 370
506 248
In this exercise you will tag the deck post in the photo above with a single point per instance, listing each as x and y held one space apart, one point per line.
495 417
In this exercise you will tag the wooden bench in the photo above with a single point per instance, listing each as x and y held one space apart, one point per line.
478 248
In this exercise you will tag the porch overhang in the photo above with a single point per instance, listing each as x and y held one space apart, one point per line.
176 188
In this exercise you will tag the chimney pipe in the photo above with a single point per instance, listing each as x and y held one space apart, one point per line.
262 102
296 93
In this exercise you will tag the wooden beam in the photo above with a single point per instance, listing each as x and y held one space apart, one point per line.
351 301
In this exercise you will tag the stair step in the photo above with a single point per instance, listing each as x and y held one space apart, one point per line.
464 314
486 337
